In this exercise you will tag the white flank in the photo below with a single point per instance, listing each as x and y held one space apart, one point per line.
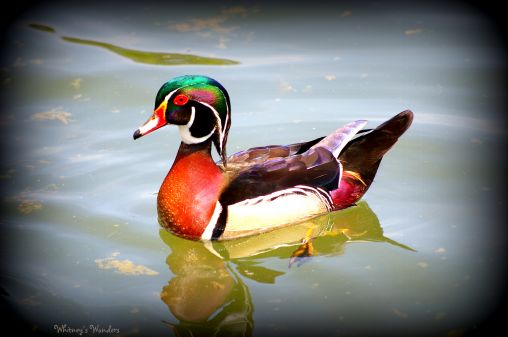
185 134
274 210
207 234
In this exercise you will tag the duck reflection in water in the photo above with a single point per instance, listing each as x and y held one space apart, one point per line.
207 294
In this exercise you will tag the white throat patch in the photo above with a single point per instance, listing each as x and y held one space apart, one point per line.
185 133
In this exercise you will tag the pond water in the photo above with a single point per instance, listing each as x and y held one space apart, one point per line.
81 245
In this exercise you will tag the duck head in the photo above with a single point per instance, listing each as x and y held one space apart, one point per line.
198 105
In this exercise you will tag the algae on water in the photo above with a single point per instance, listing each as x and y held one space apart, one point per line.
140 56
147 57
42 27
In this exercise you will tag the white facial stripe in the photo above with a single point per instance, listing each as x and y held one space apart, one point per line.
168 96
185 133
218 124
223 134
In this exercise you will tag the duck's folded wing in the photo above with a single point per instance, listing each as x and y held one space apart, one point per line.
259 155
315 167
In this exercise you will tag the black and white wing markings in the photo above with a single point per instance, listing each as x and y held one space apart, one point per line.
316 167
302 190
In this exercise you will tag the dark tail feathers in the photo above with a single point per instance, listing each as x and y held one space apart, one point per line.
364 153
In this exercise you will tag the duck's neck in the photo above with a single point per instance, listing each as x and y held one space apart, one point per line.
185 150
188 196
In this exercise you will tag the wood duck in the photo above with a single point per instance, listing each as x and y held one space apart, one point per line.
262 188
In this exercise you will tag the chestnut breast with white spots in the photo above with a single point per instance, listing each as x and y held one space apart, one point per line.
188 195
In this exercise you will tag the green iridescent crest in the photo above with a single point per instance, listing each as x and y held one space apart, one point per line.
199 88
184 81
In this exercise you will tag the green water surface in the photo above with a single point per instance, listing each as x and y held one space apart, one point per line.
81 245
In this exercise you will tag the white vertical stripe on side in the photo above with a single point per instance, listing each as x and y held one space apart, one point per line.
207 234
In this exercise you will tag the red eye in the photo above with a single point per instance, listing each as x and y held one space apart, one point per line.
181 99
